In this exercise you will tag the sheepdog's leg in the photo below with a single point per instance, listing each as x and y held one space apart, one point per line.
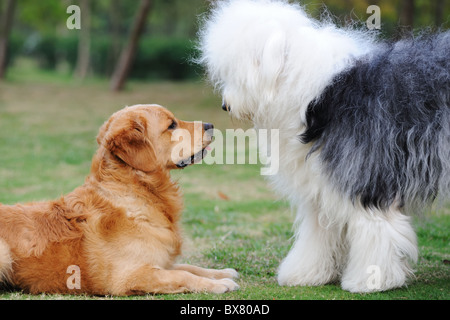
382 244
312 259
5 261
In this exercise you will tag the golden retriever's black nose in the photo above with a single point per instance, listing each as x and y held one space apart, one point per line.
208 126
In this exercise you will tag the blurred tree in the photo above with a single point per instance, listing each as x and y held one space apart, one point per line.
116 18
177 18
6 20
126 58
407 14
396 15
84 40
439 12
44 16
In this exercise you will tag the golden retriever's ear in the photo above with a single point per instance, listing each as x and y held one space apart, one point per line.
127 139
102 132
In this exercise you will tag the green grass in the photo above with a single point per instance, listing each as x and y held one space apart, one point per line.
231 217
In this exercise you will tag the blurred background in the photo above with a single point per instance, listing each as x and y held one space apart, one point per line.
154 39
58 85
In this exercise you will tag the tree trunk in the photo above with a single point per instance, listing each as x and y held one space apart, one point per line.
6 20
126 58
84 41
407 14
439 10
114 51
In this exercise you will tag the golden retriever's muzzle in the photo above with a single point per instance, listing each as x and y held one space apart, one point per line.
209 133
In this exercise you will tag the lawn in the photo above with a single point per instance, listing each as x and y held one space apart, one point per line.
48 125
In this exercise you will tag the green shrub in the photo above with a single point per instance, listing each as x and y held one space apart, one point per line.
15 48
156 58
164 58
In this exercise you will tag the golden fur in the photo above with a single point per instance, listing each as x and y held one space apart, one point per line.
120 228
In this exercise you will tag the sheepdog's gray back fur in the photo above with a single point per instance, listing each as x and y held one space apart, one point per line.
383 126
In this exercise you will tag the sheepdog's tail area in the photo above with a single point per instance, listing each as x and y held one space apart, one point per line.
5 262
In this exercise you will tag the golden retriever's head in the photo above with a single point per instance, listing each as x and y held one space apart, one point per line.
149 137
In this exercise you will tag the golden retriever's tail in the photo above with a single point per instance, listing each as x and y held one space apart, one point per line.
5 262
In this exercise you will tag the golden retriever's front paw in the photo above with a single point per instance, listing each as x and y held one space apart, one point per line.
224 285
230 273
225 274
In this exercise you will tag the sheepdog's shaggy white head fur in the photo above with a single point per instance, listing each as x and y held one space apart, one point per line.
364 131
258 53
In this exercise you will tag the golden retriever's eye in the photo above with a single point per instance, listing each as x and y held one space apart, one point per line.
173 125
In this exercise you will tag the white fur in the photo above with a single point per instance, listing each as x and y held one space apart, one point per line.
269 60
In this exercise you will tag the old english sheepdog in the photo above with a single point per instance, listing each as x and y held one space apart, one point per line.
364 133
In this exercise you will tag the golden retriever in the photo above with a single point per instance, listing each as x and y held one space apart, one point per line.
118 234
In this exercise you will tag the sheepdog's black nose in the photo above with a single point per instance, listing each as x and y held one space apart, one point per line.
225 107
208 126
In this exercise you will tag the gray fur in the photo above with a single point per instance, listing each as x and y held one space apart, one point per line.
383 126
